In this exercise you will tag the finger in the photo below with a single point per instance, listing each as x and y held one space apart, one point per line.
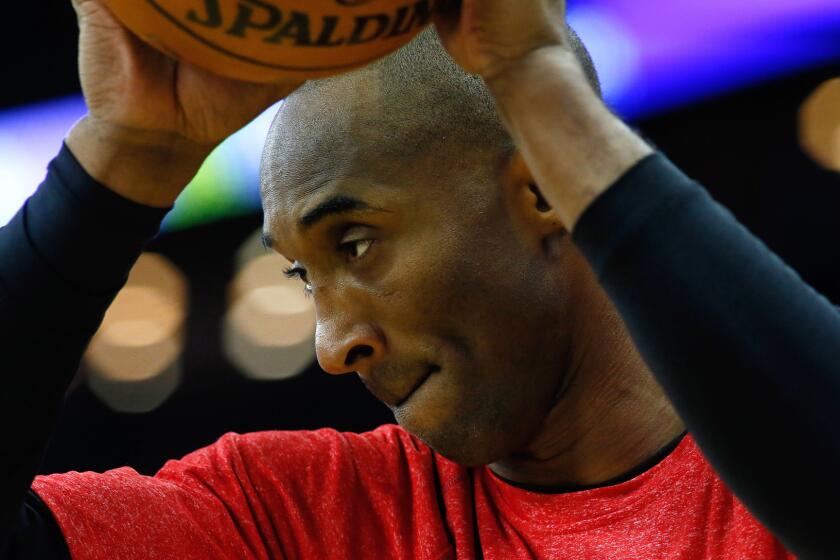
81 6
87 9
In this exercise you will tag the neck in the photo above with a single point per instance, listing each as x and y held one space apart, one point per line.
609 417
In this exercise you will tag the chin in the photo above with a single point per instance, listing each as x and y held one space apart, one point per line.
466 457
466 426
459 441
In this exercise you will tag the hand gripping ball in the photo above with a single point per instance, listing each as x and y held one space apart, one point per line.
275 40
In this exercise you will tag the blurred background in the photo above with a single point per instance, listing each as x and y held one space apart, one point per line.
208 336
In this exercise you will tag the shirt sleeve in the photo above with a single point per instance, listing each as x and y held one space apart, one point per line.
63 258
744 348
320 494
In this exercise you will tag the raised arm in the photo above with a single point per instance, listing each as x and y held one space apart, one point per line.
63 258
747 352
65 255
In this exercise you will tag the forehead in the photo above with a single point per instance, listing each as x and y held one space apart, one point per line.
353 183
320 147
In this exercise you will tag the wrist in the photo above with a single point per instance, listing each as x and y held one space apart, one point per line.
574 146
532 69
145 167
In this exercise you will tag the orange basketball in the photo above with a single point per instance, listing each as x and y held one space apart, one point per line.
273 40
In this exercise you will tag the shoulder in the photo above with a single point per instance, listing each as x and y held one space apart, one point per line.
321 476
290 457
315 444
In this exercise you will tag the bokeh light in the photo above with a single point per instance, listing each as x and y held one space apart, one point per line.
133 360
819 125
269 329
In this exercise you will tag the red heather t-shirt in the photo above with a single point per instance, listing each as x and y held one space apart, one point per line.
385 494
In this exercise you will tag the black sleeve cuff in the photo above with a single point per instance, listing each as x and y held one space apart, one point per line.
85 230
650 186
71 246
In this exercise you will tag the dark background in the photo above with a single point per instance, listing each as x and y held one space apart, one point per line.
742 146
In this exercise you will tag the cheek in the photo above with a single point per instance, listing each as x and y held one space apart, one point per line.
461 282
417 279
501 302
450 278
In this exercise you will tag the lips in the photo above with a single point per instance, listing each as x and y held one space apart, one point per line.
388 382
432 369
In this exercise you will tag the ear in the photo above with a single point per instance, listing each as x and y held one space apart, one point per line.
528 204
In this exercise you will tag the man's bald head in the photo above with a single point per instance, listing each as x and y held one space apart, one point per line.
411 104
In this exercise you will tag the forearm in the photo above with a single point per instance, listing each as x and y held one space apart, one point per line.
745 350
63 258
574 147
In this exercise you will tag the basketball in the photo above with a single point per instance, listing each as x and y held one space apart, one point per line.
275 40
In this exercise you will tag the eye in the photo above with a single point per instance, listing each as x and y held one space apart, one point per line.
299 272
356 249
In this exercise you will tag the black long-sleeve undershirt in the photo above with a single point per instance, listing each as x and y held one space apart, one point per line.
748 353
63 258
743 347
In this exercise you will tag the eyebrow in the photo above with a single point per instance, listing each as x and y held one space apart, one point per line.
338 204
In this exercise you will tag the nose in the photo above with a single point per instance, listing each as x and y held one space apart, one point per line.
356 347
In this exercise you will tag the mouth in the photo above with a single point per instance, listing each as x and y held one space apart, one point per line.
432 370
